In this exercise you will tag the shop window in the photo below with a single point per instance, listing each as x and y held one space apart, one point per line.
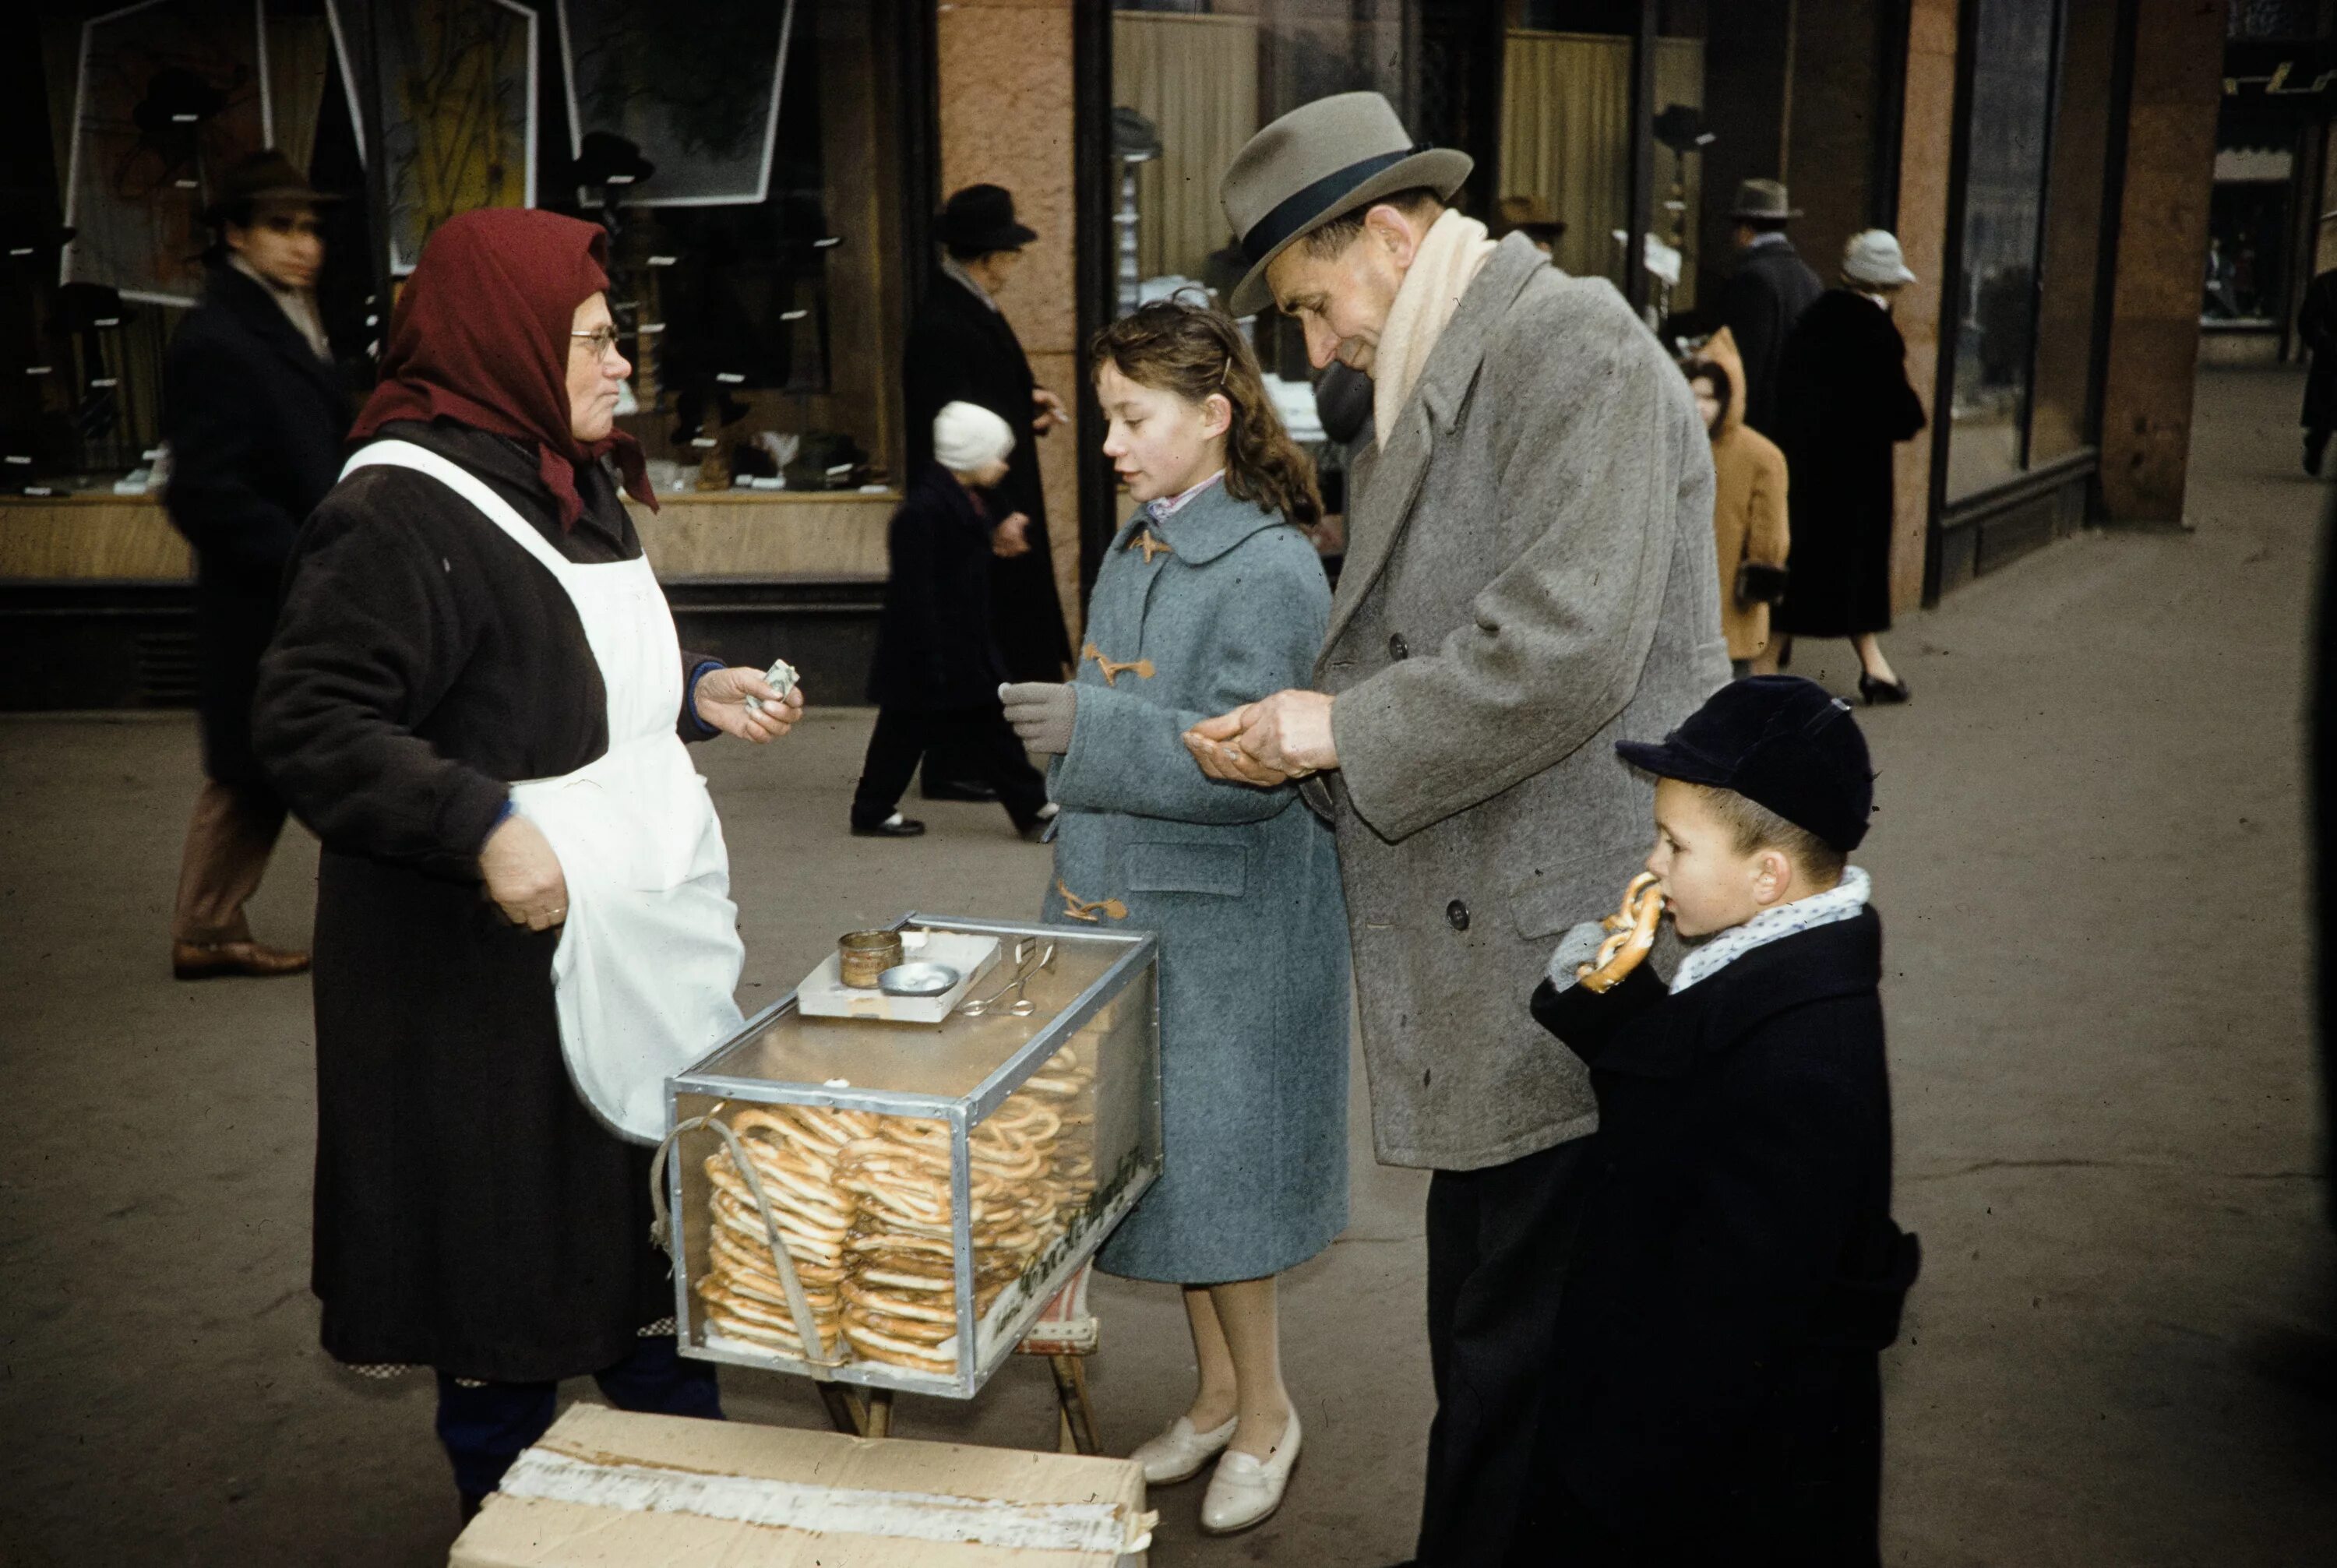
1195 79
2061 414
756 214
1567 137
2247 233
1993 313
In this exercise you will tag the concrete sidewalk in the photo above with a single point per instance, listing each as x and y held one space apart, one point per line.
2091 858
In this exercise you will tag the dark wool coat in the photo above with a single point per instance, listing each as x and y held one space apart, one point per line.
935 649
471 1214
255 421
960 350
1846 403
1759 305
2316 329
1714 1394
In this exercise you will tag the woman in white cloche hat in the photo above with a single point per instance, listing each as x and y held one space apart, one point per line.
1844 403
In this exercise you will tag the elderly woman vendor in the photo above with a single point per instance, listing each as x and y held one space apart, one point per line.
476 699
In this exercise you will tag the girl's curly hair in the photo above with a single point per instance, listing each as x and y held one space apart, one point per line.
1193 351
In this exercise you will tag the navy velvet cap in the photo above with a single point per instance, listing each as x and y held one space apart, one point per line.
1780 741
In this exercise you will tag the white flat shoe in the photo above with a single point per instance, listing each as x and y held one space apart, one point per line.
1245 1491
1178 1453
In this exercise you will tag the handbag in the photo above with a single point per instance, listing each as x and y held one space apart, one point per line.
1757 582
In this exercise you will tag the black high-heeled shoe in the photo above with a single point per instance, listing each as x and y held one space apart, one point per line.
1882 691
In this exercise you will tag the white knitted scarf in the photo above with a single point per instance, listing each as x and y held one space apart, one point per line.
1842 901
1451 255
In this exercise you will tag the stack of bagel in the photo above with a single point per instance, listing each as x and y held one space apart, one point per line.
795 1150
864 1209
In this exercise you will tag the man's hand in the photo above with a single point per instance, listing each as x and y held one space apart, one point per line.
722 701
523 875
1282 736
1050 410
1012 537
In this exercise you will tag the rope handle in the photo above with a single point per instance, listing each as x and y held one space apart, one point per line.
662 1233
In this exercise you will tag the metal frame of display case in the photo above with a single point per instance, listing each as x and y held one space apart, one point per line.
975 1364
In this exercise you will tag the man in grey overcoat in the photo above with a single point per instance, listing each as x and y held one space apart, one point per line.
1529 580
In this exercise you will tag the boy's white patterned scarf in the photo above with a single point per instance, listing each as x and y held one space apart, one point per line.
1842 901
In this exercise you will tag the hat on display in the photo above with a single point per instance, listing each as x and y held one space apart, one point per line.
1873 257
263 176
1762 198
968 437
1780 741
1320 161
1529 216
980 218
605 158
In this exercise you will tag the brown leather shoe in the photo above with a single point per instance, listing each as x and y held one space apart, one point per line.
209 960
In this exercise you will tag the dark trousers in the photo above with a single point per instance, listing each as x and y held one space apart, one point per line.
1497 1240
2316 443
230 837
978 739
483 1427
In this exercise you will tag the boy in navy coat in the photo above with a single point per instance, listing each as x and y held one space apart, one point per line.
1714 1394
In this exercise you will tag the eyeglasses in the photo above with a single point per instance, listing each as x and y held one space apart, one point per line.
602 339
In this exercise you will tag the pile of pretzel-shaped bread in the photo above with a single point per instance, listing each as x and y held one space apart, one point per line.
862 1206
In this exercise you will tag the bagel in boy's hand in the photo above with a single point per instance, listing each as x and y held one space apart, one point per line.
1631 935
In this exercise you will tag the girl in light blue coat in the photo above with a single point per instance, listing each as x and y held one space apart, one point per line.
1209 597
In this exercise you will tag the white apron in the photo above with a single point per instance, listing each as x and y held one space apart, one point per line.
649 959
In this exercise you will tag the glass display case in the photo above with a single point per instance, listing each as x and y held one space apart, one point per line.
892 1204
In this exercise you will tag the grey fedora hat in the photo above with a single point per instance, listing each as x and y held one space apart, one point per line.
1323 160
1762 198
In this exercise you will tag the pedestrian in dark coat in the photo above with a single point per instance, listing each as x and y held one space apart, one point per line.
255 413
1847 403
937 670
1766 294
2316 328
1209 595
1717 1395
471 1214
960 349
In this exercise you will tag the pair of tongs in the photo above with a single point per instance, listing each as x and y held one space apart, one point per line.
1631 933
1022 1006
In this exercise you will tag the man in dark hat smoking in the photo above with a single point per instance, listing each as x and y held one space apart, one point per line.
254 412
1529 579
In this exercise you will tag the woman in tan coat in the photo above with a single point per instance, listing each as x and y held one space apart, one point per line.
1748 510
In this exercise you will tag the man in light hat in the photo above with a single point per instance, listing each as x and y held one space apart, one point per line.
1529 579
255 412
1766 294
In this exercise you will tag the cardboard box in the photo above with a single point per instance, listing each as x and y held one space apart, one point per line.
609 1489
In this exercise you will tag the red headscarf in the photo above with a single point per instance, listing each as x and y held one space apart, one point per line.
480 335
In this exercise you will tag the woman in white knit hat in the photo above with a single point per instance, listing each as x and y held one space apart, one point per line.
1844 402
937 670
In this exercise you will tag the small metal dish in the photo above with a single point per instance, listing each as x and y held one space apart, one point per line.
917 979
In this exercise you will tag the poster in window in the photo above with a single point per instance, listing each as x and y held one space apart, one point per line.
458 89
167 95
693 84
